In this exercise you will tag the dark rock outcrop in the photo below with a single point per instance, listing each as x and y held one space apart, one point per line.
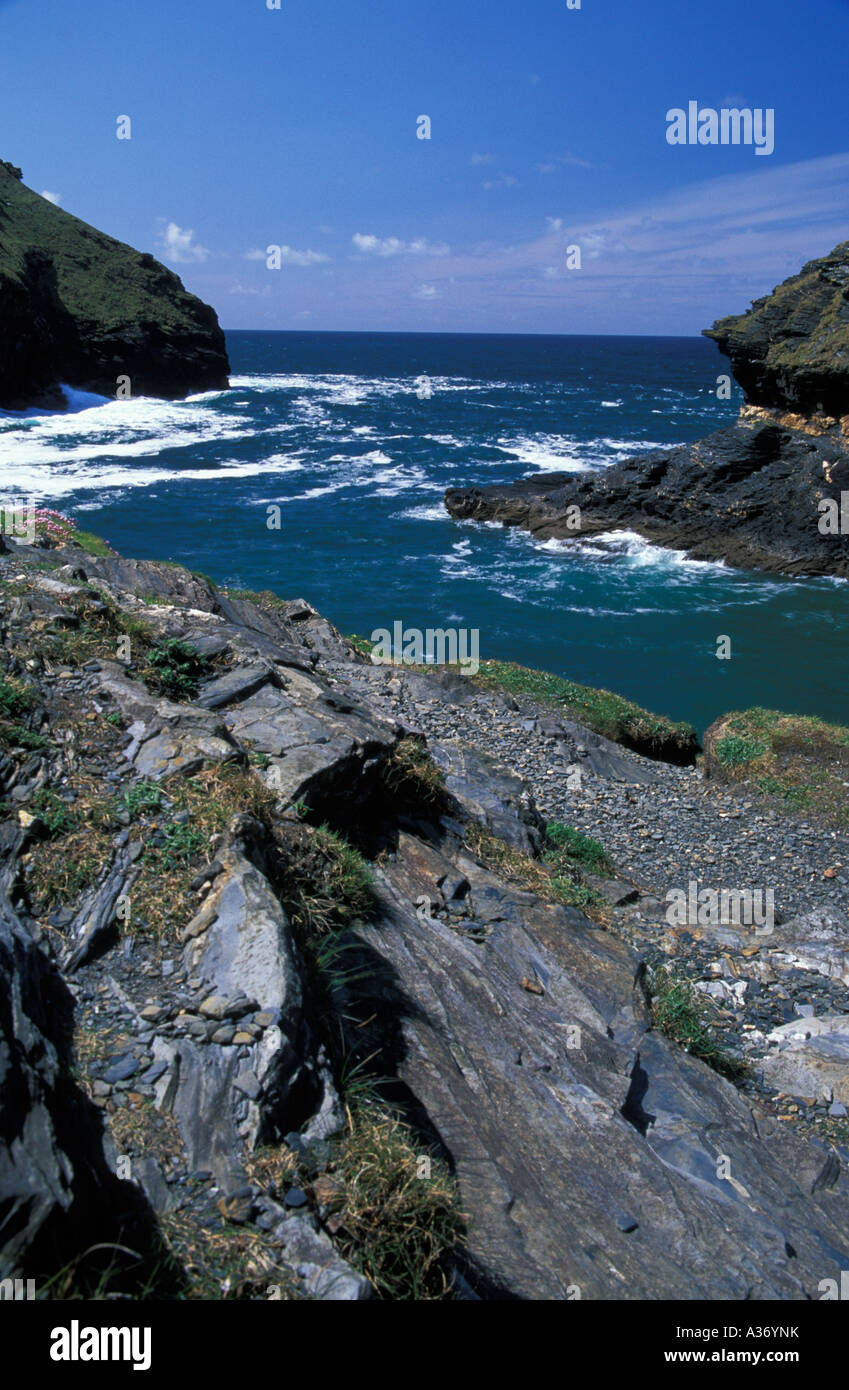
81 309
791 349
58 1196
749 495
753 494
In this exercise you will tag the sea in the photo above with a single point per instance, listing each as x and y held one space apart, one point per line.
349 440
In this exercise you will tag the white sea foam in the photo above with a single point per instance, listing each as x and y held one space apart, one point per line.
637 552
425 512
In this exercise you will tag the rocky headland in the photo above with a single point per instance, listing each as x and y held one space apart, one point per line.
327 979
78 308
753 494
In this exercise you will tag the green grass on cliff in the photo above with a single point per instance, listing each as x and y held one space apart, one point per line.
600 710
797 761
129 286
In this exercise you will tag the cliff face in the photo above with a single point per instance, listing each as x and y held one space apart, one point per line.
791 349
80 308
752 495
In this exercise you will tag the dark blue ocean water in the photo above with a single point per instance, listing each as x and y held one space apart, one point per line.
337 429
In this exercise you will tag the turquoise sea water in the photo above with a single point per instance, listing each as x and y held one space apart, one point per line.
338 431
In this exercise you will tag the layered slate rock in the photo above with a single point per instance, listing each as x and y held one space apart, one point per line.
790 350
58 1195
81 309
587 1147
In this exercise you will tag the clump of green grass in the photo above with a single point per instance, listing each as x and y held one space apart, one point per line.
144 796
401 1216
13 736
15 698
555 877
181 847
681 1016
798 761
360 644
177 668
324 883
56 815
735 751
567 846
412 778
606 713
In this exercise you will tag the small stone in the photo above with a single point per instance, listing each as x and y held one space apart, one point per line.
264 1019
121 1069
837 1110
223 1036
240 1006
152 1013
247 1083
215 1006
625 1222
296 1197
242 1038
102 1088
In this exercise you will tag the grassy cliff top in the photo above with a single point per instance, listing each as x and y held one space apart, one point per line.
99 279
792 346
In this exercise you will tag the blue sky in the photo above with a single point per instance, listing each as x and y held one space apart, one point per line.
297 127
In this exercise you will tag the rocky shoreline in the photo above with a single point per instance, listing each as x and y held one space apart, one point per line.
768 493
296 914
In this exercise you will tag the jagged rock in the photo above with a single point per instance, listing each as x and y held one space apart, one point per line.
318 745
551 1141
58 1196
166 737
326 1276
813 1060
95 922
490 793
791 348
749 495
64 322
246 955
235 685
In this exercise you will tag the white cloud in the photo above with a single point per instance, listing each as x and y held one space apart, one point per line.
482 159
555 223
392 246
288 256
238 288
178 245
52 197
503 181
427 292
551 166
